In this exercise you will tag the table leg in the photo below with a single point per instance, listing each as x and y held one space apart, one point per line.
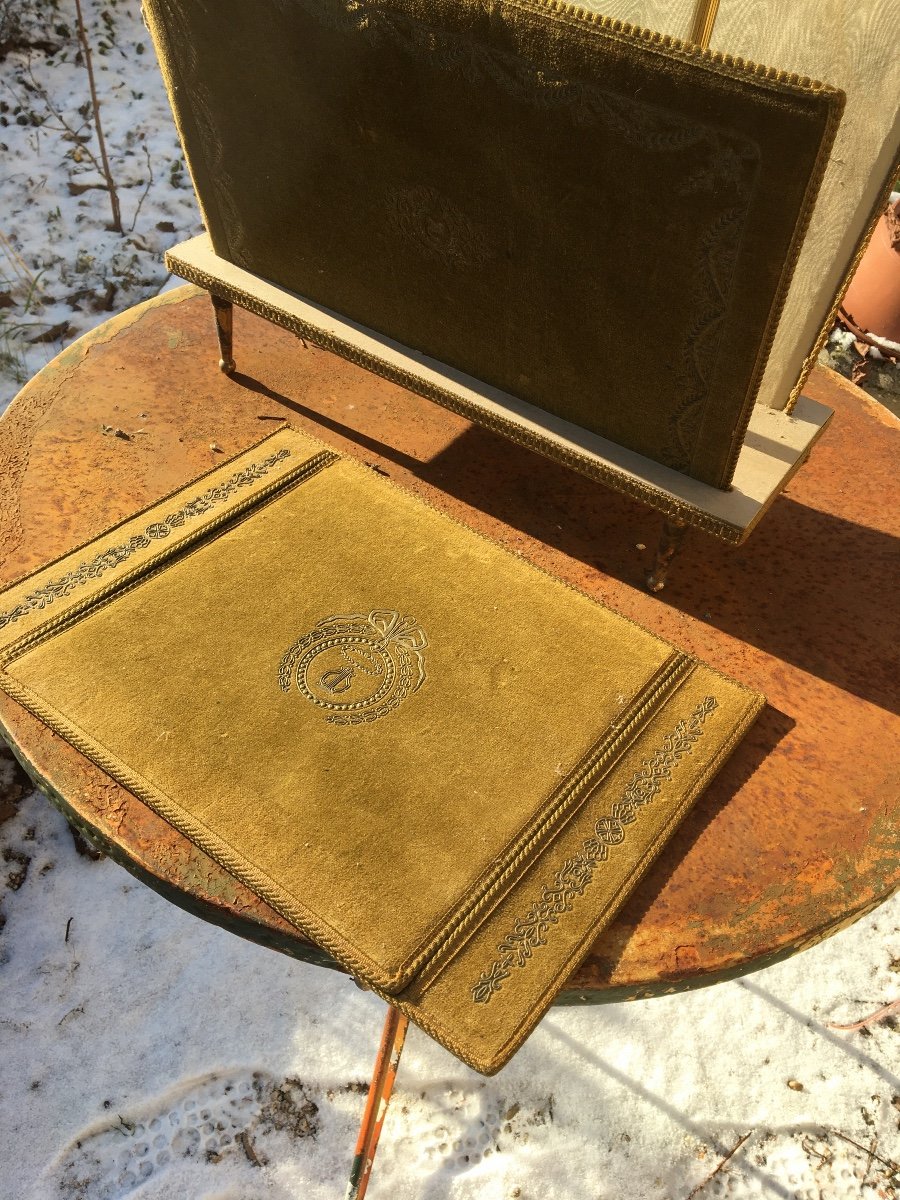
386 1064
84 844
670 541
224 313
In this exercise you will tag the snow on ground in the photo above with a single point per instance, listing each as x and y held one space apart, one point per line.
62 270
151 1056
148 1055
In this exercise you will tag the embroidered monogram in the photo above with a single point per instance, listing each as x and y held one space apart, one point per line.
108 559
576 874
357 667
480 825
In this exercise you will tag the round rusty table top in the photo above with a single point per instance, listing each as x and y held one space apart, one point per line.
798 834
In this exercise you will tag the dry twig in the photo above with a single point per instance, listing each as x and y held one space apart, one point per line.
885 1162
101 142
18 264
724 1163
63 125
869 1162
140 203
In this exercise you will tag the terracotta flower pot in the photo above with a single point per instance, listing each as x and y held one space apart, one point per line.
871 306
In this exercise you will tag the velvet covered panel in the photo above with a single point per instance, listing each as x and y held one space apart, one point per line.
443 764
601 222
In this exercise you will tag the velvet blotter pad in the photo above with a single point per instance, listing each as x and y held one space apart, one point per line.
444 765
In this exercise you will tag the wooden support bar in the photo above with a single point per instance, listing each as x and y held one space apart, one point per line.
774 445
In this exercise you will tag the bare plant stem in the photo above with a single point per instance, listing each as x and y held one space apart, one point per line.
724 1163
149 185
885 1162
16 261
63 125
107 173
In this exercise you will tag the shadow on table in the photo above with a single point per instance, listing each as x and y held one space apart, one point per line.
807 587
770 728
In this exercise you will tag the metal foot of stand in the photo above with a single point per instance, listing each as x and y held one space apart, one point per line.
670 541
224 313
392 1039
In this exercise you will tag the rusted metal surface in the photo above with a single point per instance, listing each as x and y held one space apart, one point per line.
798 834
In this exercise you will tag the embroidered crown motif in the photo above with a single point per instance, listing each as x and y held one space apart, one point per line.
357 667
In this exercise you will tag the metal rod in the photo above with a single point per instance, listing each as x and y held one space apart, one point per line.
386 1063
704 20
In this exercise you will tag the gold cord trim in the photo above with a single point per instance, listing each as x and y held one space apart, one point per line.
861 247
155 562
671 674
109 559
488 1065
562 805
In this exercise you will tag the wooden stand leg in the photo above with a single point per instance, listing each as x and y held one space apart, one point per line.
392 1038
224 313
670 540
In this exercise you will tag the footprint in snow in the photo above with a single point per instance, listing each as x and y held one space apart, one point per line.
216 1118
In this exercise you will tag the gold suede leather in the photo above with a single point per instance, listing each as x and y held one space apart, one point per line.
445 765
598 220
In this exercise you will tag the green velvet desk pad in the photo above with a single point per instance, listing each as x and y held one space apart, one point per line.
597 220
443 764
